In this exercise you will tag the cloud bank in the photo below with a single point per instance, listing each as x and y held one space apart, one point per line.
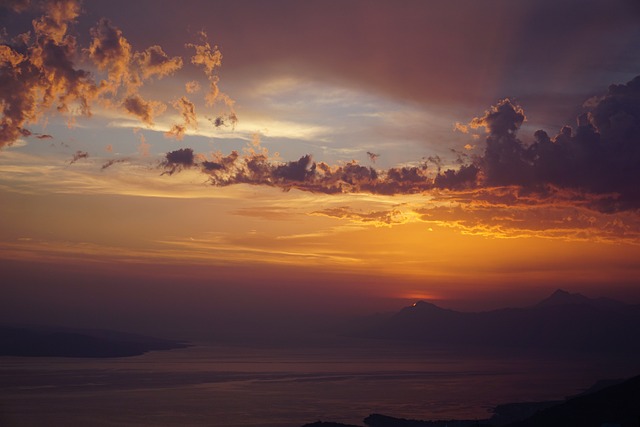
599 156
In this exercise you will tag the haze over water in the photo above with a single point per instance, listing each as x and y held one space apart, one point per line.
288 387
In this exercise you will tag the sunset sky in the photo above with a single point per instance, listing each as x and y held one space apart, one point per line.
167 160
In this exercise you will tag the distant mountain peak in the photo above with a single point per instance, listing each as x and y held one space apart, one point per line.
423 307
562 297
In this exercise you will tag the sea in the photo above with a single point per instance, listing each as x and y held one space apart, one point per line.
288 386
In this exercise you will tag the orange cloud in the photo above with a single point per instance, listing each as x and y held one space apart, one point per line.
461 127
144 110
190 120
111 52
40 72
192 86
43 75
153 62
210 58
384 218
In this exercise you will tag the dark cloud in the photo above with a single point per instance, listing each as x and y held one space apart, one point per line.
229 119
78 155
112 162
177 160
503 163
373 156
601 155
463 178
296 171
255 167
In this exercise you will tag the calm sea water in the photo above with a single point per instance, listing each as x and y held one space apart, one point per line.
286 387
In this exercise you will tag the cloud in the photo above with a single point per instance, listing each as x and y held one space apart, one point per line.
255 167
144 146
79 155
210 58
178 160
144 110
383 218
598 160
139 107
502 212
192 86
459 127
112 162
58 15
601 155
128 70
502 163
111 52
515 212
39 73
153 62
187 110
16 5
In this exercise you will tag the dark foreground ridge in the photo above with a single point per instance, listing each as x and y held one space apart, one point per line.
614 406
48 342
377 420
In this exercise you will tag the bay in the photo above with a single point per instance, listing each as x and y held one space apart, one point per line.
254 386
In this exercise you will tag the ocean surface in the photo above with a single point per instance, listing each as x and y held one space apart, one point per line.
231 386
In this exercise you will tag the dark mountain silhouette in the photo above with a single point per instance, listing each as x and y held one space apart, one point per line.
561 321
562 297
615 405
377 420
507 413
51 342
328 424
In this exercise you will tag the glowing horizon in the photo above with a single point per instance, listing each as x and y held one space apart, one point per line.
450 175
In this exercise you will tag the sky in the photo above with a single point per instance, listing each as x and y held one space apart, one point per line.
166 166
